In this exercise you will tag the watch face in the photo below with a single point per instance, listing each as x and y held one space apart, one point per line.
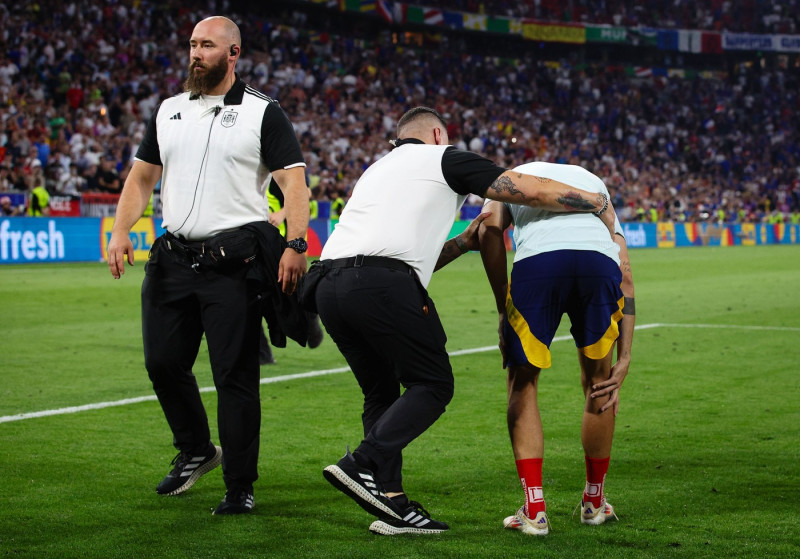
300 245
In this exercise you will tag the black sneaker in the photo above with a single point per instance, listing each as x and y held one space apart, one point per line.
359 483
188 470
236 501
415 520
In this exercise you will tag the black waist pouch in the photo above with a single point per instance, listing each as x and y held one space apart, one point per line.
230 247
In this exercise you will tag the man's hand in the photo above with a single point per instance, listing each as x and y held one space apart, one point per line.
469 236
119 246
276 218
611 386
290 269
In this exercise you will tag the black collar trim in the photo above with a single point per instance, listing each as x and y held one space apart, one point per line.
404 141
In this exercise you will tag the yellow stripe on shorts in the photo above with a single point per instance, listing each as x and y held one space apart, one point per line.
537 353
601 347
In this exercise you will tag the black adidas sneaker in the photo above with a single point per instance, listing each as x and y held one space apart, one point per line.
359 483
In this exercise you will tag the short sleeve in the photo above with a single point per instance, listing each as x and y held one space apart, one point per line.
467 172
148 151
279 145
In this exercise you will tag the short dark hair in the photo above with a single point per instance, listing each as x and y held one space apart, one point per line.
416 112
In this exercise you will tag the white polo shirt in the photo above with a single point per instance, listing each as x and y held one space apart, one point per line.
404 204
217 154
537 230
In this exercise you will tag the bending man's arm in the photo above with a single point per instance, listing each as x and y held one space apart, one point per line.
462 243
135 196
620 369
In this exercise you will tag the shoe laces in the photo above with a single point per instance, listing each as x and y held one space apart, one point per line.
419 508
180 461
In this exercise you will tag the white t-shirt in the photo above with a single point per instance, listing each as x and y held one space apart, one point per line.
537 230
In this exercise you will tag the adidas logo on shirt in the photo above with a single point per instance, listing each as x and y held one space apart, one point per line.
176 116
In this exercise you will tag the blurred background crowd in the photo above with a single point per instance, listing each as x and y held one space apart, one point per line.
751 16
79 81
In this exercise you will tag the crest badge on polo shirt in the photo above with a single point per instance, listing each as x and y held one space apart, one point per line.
228 119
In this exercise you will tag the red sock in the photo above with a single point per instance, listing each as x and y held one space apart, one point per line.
596 469
530 475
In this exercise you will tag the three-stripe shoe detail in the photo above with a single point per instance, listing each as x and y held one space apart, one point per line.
187 470
594 516
414 520
193 464
539 525
369 483
359 484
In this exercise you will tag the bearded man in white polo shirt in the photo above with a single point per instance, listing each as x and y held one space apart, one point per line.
214 148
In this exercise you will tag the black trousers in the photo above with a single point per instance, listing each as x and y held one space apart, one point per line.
179 305
387 328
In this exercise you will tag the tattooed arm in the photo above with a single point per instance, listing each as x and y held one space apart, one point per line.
541 192
551 195
462 243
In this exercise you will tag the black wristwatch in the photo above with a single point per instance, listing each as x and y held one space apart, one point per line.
298 245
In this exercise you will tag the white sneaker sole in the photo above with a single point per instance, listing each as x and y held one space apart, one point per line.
365 499
381 527
195 475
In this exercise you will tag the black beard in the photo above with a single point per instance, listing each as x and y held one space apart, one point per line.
201 84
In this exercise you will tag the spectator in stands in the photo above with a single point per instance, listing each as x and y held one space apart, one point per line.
106 176
71 182
7 209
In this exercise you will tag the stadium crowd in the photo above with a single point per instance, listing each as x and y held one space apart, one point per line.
747 16
78 82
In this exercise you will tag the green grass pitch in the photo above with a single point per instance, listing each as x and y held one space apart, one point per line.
705 461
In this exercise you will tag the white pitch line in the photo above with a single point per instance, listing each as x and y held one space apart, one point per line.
310 374
725 326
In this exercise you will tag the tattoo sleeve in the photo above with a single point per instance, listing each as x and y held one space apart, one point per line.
573 201
505 184
450 251
630 306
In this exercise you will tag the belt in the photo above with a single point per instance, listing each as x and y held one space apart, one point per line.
186 248
373 261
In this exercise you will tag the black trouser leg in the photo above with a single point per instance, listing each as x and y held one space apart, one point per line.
171 333
378 319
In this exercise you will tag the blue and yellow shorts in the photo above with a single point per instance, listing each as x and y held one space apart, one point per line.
582 283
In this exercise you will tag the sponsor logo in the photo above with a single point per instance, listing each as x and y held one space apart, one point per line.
751 42
635 236
142 236
176 116
30 246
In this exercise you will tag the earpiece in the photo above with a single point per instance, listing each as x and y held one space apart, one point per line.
234 50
